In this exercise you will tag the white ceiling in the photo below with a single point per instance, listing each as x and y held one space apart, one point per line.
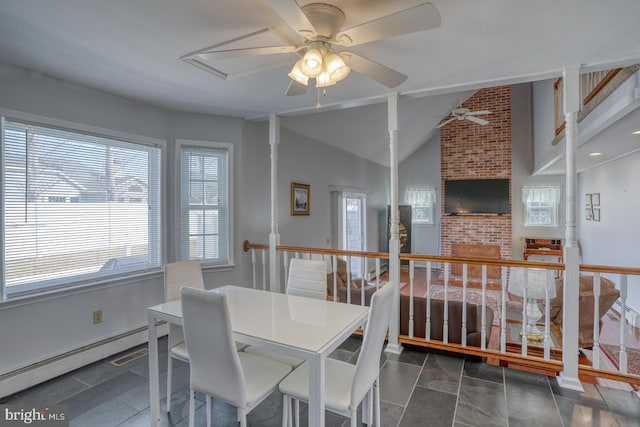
132 48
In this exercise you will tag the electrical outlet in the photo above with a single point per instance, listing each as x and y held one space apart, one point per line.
97 317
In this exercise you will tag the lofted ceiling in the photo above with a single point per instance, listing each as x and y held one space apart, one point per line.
132 49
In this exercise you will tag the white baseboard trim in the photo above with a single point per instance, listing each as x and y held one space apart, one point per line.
23 378
632 316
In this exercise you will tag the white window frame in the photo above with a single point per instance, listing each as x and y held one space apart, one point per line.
533 195
182 144
413 197
156 235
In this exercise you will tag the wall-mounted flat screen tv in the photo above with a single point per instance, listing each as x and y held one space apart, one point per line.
476 196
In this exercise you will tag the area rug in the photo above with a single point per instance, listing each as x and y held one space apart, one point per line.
613 354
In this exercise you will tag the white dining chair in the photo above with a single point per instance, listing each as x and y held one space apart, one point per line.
347 385
177 275
307 278
216 368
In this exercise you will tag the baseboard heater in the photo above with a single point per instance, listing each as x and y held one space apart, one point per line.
632 316
44 370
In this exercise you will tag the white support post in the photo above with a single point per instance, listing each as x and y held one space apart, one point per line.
274 237
569 376
393 345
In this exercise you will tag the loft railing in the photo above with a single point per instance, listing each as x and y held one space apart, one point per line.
591 85
506 345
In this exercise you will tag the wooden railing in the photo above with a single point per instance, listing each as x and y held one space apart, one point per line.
591 85
433 273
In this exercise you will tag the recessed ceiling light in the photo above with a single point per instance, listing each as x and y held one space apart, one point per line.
635 132
595 154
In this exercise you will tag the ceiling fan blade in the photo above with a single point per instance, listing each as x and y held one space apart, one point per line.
478 113
296 88
477 120
293 16
250 51
417 18
446 122
378 72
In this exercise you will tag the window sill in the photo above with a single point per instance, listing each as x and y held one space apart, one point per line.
34 297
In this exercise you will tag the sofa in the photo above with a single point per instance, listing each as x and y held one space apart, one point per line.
608 296
474 317
474 320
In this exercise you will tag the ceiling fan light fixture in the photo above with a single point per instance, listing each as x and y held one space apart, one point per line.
312 62
335 67
297 74
324 80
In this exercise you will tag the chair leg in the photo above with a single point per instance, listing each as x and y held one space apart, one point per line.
242 414
297 412
367 408
285 410
169 375
376 398
354 418
208 409
192 407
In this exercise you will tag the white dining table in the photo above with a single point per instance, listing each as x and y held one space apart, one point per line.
297 326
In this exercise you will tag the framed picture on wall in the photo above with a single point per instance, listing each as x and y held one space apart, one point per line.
588 200
300 199
589 214
596 214
595 199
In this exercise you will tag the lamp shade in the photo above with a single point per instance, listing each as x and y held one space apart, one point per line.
537 280
312 64
297 74
324 80
335 66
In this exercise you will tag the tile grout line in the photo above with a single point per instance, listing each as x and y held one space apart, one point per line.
504 390
455 410
413 389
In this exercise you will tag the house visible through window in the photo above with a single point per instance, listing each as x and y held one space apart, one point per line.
541 205
205 208
67 215
422 201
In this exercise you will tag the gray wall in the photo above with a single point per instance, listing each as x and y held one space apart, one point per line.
544 128
523 104
615 240
63 322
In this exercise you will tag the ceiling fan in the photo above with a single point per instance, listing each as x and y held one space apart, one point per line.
465 114
322 40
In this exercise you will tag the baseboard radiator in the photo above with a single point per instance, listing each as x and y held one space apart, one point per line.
632 316
28 376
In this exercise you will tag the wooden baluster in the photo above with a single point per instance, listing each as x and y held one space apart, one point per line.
264 269
445 322
547 315
362 280
525 285
483 323
253 267
348 279
334 267
377 273
285 265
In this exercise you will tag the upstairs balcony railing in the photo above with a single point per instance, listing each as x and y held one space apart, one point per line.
591 86
500 337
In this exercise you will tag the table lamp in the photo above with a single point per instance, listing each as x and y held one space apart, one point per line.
537 280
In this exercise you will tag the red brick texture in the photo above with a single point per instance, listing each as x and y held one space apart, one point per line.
471 151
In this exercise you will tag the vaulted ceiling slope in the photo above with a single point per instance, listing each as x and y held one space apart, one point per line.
132 48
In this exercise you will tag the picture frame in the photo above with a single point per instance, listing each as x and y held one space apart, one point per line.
300 199
589 214
588 200
595 199
596 215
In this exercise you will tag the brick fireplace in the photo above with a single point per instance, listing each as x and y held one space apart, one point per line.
471 151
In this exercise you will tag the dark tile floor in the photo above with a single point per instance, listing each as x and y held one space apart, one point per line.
417 389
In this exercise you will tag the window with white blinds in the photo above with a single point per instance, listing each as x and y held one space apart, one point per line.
422 201
205 182
76 207
541 205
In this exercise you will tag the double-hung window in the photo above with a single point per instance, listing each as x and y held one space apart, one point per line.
76 207
541 205
205 201
422 201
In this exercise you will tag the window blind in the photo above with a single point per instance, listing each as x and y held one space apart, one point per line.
76 207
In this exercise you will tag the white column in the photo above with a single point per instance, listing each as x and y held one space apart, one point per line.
274 237
569 376
394 242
